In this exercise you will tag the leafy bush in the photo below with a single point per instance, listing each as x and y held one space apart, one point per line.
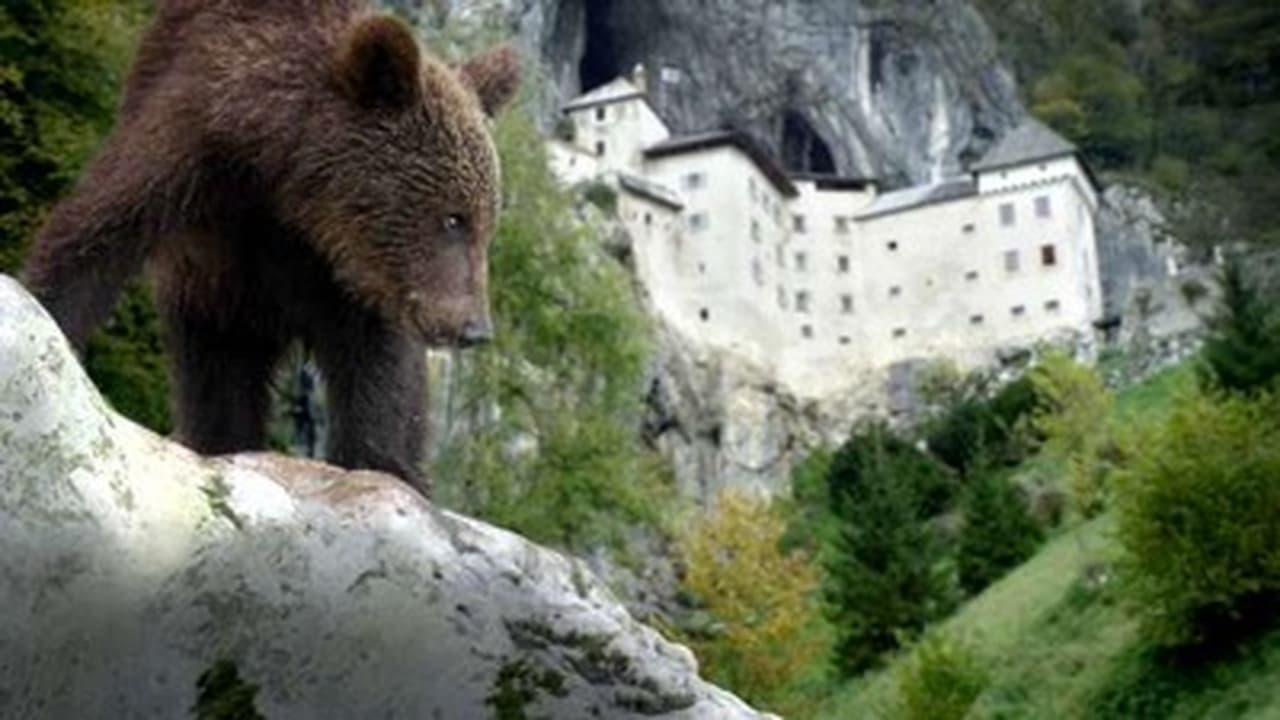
1072 419
999 532
885 572
763 599
1242 350
940 681
1197 520
539 433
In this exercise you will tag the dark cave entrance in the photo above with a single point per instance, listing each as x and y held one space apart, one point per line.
803 149
600 62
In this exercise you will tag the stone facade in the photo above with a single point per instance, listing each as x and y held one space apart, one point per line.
818 279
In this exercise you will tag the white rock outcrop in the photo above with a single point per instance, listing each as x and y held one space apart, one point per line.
132 566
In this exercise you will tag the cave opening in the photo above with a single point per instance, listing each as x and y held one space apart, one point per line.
600 62
803 149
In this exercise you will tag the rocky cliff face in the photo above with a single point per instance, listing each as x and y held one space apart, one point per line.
139 580
895 90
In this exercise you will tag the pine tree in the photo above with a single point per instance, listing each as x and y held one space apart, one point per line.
885 576
1242 351
999 532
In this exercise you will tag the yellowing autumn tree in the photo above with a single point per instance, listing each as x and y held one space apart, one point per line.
767 622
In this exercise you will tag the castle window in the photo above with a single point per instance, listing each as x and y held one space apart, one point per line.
976 319
755 230
802 261
1008 216
971 276
844 340
802 301
602 112
842 264
892 245
968 228
600 148
1018 310
782 256
694 180
1011 261
899 333
782 298
1052 306
1043 209
705 314
698 221
842 225
648 218
846 304
757 272
895 291
797 223
751 187
1048 255
806 331
702 268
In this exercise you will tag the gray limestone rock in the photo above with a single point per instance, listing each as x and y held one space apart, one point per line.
132 567
897 90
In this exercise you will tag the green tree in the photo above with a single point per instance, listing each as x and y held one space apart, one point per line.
1242 350
885 572
1196 520
998 534
1072 418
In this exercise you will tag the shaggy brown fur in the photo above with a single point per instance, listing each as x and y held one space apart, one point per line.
290 170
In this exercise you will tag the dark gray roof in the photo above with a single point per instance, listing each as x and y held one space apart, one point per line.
1030 141
650 191
914 197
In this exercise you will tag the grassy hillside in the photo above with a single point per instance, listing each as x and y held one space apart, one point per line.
1055 643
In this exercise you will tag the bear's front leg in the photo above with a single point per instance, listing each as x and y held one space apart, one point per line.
222 369
375 383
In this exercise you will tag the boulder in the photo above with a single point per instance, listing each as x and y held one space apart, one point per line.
140 580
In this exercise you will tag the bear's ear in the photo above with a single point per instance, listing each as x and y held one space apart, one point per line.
380 65
494 77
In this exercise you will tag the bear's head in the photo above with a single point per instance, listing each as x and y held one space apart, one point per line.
399 185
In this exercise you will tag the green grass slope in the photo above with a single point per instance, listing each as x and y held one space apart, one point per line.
1056 643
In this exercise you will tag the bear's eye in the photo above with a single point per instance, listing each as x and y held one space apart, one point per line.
455 223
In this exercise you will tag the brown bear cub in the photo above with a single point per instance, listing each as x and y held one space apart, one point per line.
290 171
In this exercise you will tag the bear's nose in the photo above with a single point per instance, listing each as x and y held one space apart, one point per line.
475 332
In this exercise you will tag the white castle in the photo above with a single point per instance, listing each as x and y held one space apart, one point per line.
823 278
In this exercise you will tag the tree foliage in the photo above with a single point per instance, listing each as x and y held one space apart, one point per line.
940 680
1242 350
1073 419
885 578
999 532
763 599
1196 520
